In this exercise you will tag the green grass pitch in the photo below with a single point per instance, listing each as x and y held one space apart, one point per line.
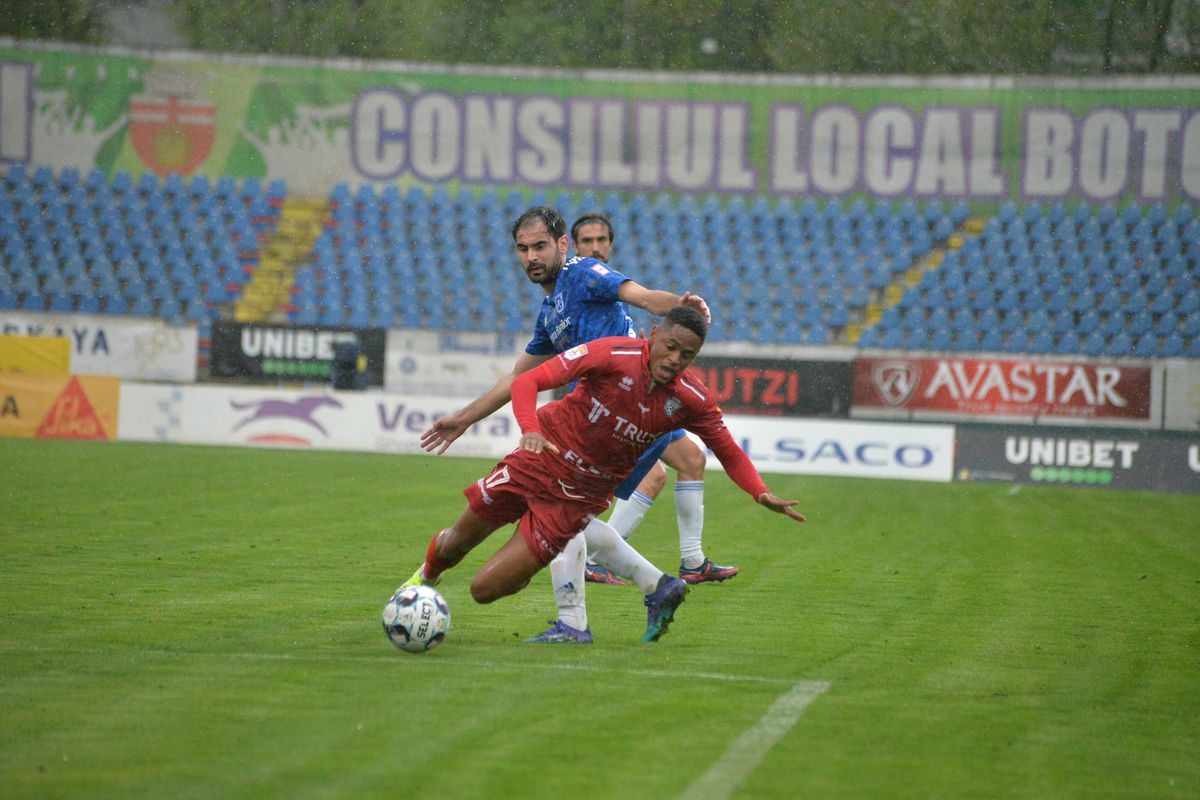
191 622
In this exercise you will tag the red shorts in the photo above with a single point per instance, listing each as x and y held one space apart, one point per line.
532 490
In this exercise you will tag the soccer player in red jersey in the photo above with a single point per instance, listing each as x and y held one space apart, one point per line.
573 452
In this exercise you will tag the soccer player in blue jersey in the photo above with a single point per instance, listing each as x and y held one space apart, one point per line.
592 235
585 300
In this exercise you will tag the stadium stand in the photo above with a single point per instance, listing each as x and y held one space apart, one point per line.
1052 280
176 249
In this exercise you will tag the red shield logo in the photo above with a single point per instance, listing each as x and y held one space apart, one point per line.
171 134
895 381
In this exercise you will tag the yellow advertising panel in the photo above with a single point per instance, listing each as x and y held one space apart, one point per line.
55 407
35 355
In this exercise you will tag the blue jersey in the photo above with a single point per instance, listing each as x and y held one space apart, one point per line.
582 307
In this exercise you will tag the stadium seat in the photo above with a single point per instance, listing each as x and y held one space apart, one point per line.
1042 342
1141 323
1145 346
141 306
1095 344
1172 346
992 341
1067 344
1121 344
1113 323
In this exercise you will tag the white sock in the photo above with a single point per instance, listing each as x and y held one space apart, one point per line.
608 549
628 514
566 574
689 510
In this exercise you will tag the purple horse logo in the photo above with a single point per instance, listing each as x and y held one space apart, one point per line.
301 410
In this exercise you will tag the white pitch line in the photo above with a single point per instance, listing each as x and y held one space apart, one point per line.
746 752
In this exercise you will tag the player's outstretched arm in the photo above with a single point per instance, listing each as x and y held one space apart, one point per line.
780 506
445 430
659 302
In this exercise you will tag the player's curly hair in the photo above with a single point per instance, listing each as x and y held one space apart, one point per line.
554 222
689 318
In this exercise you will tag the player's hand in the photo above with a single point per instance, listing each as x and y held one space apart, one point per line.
442 434
696 302
535 443
780 506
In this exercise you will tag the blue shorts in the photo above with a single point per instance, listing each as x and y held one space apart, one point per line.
646 462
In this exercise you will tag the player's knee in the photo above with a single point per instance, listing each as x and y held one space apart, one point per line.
690 462
654 481
484 591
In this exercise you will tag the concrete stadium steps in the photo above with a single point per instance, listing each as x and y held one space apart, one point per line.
267 296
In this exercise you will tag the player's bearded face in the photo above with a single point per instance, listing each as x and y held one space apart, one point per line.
542 256
672 350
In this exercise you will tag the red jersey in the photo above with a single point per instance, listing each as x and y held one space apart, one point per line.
616 412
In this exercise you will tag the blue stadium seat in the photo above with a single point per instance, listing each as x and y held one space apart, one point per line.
142 306
169 308
892 339
1062 321
941 338
1141 323
1037 321
1172 346
1189 325
916 339
1110 302
1167 323
1067 344
1113 323
1121 344
1042 342
870 338
1145 346
992 341
1095 344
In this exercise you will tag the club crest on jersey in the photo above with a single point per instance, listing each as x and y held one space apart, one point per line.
579 351
626 383
559 303
672 405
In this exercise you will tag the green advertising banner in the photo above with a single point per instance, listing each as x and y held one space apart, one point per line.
315 123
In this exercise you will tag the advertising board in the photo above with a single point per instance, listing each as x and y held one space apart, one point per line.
447 364
850 449
83 407
319 420
1129 459
1009 389
267 353
314 123
777 387
124 347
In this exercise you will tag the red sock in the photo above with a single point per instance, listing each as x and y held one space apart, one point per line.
435 565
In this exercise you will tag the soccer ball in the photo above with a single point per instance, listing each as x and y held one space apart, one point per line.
416 619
